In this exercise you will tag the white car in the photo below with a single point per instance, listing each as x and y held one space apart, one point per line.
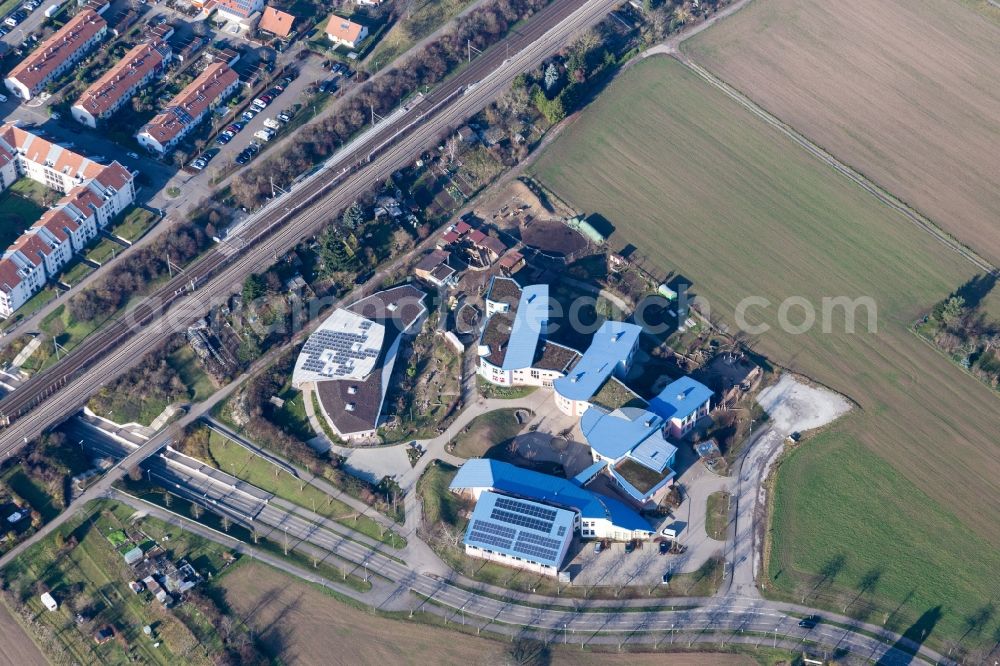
134 156
3 98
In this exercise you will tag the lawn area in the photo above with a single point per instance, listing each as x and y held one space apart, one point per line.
811 559
717 515
104 251
704 189
487 430
135 223
34 304
91 577
77 271
421 18
872 82
185 362
67 331
32 493
42 196
238 461
17 213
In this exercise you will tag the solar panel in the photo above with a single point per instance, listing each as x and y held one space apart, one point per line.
521 520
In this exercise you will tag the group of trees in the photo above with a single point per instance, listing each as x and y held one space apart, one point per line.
962 329
154 380
136 270
315 142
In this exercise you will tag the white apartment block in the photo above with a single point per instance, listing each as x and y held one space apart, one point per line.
95 194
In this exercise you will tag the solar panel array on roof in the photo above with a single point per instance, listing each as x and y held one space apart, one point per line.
334 353
520 528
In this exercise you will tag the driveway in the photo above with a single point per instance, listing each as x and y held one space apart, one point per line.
792 406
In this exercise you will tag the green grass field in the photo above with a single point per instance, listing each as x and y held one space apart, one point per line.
238 461
717 515
185 362
704 189
421 18
134 224
104 251
17 213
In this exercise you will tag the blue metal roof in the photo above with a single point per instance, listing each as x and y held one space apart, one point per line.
509 479
520 528
680 399
611 346
532 315
629 431
586 475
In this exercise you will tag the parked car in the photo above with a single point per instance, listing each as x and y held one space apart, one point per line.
284 116
665 579
223 139
248 115
809 622
3 98
271 123
210 153
598 547
664 547
264 135
629 546
234 128
134 156
242 158
198 163
267 99
11 21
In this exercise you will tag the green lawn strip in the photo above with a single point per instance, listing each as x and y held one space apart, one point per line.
486 431
137 221
104 251
33 305
849 526
238 461
717 515
494 392
189 369
77 271
422 18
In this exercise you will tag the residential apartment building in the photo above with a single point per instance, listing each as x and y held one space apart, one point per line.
56 54
139 66
210 89
95 194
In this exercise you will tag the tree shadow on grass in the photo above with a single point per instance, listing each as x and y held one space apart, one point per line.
902 650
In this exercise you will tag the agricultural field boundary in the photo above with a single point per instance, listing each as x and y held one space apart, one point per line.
858 178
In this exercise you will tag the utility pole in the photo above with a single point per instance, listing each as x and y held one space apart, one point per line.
469 49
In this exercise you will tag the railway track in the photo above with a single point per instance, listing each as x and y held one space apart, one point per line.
53 395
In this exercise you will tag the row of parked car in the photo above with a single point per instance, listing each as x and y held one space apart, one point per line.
271 127
21 13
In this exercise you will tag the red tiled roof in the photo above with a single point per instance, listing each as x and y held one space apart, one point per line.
114 175
32 247
57 221
276 22
55 50
343 29
122 78
198 96
476 236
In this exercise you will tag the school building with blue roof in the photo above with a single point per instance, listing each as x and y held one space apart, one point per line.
609 355
512 348
681 403
629 445
596 516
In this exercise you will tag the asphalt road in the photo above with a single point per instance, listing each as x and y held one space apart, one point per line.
286 221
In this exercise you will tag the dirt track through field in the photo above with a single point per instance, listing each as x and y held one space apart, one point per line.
16 648
903 90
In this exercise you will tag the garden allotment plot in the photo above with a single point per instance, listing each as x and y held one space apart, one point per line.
702 187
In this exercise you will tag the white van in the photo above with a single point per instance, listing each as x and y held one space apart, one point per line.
264 135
